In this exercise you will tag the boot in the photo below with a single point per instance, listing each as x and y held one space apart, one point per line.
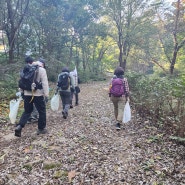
18 130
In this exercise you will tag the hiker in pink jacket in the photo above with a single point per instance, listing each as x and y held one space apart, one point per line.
119 91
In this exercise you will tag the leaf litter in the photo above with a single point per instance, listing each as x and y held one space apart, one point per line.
86 149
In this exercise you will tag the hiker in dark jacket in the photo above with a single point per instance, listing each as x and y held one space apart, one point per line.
37 97
119 101
65 94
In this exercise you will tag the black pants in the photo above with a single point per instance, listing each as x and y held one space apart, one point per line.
28 108
76 95
65 97
76 98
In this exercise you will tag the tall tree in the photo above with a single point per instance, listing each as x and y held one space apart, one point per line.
171 32
123 14
13 15
178 42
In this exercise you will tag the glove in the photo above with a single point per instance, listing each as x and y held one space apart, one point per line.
46 99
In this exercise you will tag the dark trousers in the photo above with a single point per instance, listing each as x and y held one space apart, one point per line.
76 98
28 108
65 97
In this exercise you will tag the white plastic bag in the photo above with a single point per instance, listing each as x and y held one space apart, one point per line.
14 106
126 113
55 100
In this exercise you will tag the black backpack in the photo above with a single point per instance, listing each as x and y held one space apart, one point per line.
28 78
64 81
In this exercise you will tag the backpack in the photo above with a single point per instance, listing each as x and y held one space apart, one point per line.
117 88
28 78
64 81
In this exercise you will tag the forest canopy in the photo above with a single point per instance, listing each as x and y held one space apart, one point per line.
96 36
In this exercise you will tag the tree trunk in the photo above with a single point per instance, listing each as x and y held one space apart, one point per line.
172 65
11 55
15 15
120 48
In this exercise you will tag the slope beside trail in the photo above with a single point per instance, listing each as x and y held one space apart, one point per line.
86 149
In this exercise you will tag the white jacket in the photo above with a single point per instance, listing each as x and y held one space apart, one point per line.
41 77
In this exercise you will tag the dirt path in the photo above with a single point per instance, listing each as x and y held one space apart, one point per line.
86 149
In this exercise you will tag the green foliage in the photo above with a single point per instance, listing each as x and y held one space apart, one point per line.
52 78
8 86
90 76
3 58
159 98
178 139
28 167
155 138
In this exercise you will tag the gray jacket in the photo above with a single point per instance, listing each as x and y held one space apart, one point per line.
71 83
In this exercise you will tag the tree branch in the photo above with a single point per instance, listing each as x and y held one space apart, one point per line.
155 62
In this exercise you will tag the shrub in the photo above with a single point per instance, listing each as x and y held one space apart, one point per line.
160 99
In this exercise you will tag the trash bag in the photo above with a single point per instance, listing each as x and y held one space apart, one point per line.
14 106
55 100
126 113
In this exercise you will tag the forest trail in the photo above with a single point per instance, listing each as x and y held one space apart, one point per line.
86 149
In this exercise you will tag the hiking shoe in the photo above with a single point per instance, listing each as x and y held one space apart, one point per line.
71 106
28 122
32 121
65 114
18 130
43 131
118 126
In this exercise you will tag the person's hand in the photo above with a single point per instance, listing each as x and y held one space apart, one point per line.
56 91
127 99
46 99
18 94
22 95
72 89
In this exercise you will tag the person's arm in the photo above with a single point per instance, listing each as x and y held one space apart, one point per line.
44 81
78 79
126 88
72 81
57 87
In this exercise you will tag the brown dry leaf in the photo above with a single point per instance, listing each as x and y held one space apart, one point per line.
102 154
26 150
71 175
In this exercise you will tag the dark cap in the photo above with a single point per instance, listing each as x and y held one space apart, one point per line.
65 69
29 60
43 61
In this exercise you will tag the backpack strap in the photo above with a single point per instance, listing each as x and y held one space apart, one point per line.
36 74
34 79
